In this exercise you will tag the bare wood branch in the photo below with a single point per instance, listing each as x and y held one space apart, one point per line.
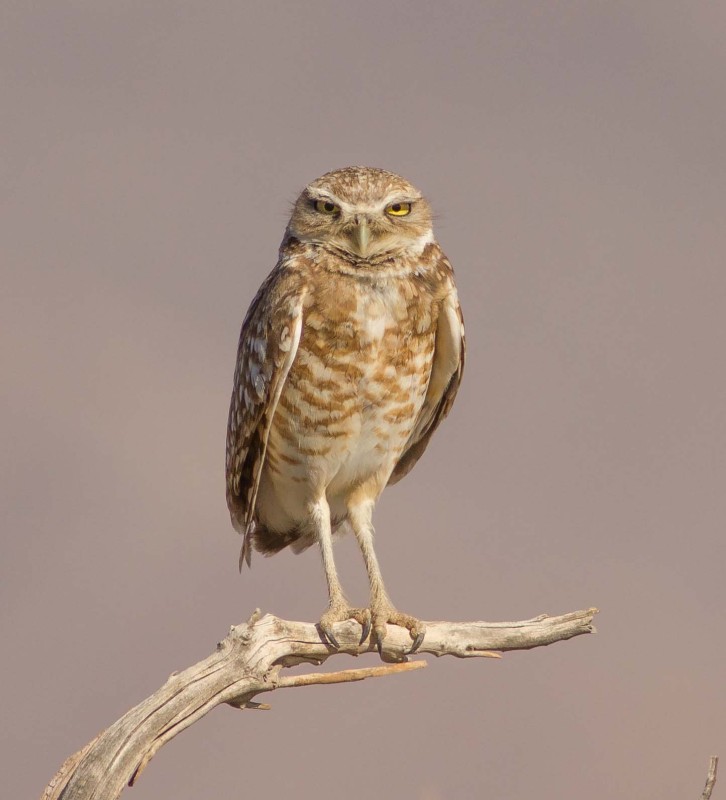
248 662
710 778
347 675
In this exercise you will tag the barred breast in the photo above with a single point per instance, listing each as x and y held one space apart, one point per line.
349 403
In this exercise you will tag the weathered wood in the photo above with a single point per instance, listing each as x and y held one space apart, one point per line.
710 778
248 663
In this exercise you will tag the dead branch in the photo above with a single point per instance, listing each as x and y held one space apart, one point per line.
710 778
248 663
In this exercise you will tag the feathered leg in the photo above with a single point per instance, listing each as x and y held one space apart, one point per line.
339 609
382 609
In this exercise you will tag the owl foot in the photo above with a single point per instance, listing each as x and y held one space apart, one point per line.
386 614
340 613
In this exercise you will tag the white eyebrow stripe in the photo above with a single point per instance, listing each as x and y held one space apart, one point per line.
389 199
359 207
398 197
317 195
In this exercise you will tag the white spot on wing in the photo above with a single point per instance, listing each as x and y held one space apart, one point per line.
285 341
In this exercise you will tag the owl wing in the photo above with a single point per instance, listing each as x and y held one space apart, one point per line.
446 371
268 344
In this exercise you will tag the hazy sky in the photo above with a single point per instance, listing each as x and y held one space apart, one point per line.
574 154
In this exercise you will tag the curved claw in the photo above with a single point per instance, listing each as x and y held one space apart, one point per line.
366 630
329 638
384 614
341 612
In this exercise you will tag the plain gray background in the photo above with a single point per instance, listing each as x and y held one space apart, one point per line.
574 154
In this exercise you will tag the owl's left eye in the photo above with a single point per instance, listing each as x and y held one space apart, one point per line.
326 207
398 209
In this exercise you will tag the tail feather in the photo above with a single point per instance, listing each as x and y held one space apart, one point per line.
245 553
268 542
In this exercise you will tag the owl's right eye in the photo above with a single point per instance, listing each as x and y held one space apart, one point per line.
326 207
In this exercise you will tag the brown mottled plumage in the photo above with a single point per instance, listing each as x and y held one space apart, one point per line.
350 356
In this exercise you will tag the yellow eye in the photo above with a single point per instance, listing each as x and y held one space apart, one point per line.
398 209
326 207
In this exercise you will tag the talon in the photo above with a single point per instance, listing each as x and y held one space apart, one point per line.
339 612
386 613
379 634
330 639
366 630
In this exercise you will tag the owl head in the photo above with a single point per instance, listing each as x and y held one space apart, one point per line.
363 212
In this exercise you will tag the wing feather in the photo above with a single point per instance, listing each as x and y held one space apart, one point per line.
268 345
446 371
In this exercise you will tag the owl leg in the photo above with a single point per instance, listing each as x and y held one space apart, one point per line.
383 611
339 609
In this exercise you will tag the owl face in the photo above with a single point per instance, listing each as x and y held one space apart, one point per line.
364 212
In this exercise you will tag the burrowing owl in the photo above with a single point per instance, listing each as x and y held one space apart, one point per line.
350 356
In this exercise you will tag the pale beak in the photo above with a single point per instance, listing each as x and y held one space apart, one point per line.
362 236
